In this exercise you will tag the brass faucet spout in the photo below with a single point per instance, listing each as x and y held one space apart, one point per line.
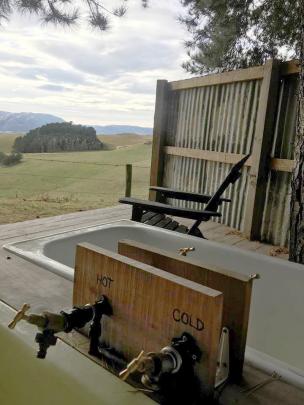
55 322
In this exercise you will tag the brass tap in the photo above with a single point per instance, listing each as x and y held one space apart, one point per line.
133 366
19 316
184 251
48 320
51 323
152 366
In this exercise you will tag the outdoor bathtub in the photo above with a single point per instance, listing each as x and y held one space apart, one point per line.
276 325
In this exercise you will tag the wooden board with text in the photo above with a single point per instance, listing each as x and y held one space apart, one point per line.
148 306
236 289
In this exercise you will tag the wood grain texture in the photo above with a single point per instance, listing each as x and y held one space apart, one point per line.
235 287
206 155
159 134
282 165
144 300
291 67
219 78
258 175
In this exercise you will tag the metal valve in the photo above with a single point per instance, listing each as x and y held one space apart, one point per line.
168 361
184 251
19 316
50 323
134 365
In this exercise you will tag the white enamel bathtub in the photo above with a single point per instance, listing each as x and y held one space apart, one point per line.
276 326
65 378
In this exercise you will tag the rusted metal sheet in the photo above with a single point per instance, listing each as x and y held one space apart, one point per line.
218 118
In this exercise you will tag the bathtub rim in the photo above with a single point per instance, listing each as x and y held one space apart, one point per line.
39 258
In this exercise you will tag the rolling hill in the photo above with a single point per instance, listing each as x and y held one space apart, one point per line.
122 129
23 122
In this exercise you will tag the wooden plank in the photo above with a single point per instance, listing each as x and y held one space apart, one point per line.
282 165
54 227
146 306
172 225
290 67
239 75
261 151
157 218
159 134
59 219
285 165
147 216
164 223
235 287
213 156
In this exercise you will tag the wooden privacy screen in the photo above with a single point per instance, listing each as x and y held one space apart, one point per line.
236 289
145 303
205 124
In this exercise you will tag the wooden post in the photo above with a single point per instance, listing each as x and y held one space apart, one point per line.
128 180
260 157
159 134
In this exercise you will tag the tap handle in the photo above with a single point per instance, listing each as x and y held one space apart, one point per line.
131 367
21 314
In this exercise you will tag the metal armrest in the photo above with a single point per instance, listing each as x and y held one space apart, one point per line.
169 209
186 196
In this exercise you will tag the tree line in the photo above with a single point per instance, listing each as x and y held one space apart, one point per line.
58 137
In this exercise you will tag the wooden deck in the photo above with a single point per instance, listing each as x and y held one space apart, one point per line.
22 281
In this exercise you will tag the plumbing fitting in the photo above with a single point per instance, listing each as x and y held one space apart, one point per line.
184 251
50 323
168 361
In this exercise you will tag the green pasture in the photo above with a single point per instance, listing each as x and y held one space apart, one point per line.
55 183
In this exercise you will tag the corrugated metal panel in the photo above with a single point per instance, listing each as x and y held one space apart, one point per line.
218 118
276 215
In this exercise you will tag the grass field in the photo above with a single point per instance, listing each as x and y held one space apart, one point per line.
55 183
6 142
124 140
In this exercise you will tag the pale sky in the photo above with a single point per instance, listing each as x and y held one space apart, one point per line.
90 77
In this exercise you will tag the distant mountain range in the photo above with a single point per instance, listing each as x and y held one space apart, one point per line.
23 122
122 129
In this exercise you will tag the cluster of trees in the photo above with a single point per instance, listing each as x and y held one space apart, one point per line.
11 159
226 35
58 137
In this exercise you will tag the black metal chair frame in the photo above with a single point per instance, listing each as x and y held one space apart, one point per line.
143 207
